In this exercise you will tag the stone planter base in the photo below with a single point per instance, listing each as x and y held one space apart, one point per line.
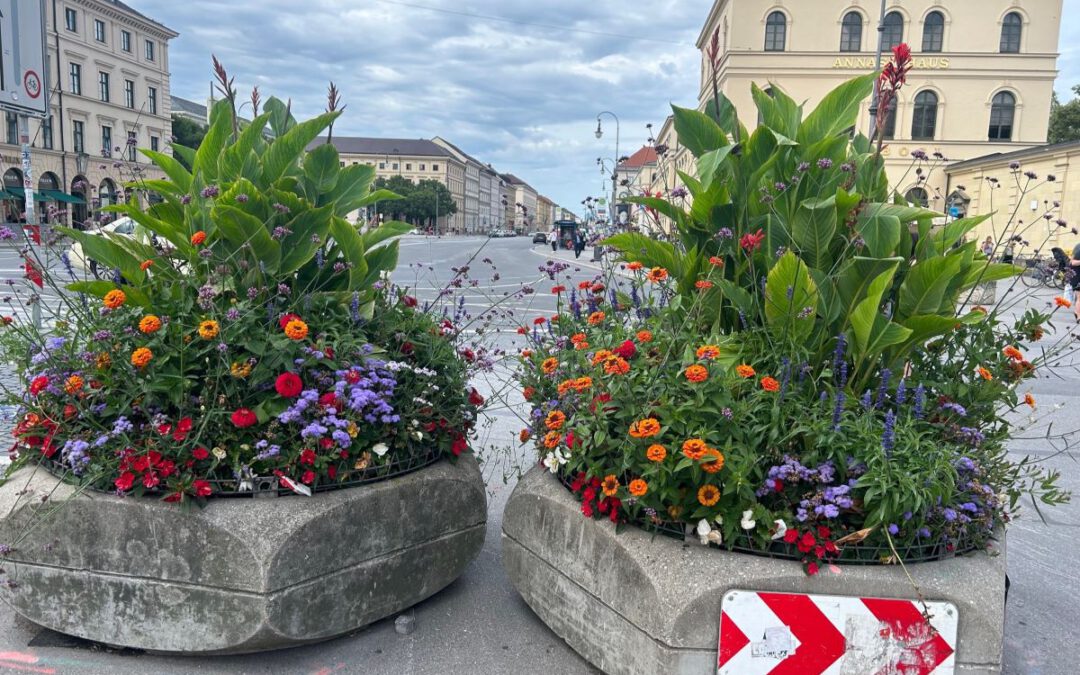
241 575
637 604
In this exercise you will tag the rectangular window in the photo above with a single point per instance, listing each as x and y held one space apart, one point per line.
46 133
129 93
149 50
382 165
125 41
71 20
396 165
12 128
103 85
77 136
151 100
99 30
76 79
154 143
132 141
421 167
106 141
434 167
408 167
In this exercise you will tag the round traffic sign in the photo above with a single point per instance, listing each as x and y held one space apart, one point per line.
32 84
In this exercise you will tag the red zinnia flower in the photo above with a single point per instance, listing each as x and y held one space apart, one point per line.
475 398
307 456
38 384
288 385
200 453
308 478
626 350
202 488
408 301
812 568
125 481
150 480
243 418
284 321
460 445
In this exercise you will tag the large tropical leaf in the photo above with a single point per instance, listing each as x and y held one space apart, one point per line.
321 168
697 132
647 251
384 232
791 298
308 231
990 272
180 177
710 165
108 253
99 289
881 234
813 231
838 111
285 151
351 245
379 261
874 332
353 184
926 285
206 157
241 228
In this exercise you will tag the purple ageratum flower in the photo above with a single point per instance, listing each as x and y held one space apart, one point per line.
894 529
824 163
954 408
210 191
242 198
949 514
964 464
924 532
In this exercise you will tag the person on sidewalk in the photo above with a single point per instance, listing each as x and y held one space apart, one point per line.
1072 279
553 239
579 244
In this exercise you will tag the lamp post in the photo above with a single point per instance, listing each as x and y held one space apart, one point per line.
615 169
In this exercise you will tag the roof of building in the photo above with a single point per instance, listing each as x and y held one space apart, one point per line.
459 151
514 180
192 108
358 145
1012 156
128 8
646 155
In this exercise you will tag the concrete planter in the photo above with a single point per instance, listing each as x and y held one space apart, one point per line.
240 575
637 604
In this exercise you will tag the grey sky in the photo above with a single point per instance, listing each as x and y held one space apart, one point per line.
521 93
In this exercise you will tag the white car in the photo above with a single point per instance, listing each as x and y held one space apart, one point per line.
122 226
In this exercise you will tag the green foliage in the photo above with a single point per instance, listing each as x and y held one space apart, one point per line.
1065 119
187 132
420 203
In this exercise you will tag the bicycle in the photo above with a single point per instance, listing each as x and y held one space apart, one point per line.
1041 272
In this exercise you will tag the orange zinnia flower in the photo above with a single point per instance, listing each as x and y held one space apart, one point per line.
694 448
528 393
657 274
549 365
634 266
708 352
581 346
141 356
638 487
1030 400
1013 353
610 486
149 324
985 374
565 386
73 385
703 284
644 336
708 495
716 463
208 330
601 356
616 365
596 318
145 265
526 353
114 299
582 383
525 435
770 384
716 261
198 238
552 439
656 453
577 337
1062 302
646 428
555 420
296 330
745 371
696 373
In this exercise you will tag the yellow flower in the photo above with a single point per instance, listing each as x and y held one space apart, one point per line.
240 369
103 361
149 324
208 330
141 357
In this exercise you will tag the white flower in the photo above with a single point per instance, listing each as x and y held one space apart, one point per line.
418 435
553 460
219 453
380 449
748 522
415 423
781 529
706 534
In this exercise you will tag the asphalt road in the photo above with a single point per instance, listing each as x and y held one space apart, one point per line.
480 625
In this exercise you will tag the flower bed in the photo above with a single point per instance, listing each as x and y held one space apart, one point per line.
799 372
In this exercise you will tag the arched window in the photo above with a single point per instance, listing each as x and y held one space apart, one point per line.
924 120
918 196
890 121
1002 113
933 34
893 30
775 32
851 33
1011 28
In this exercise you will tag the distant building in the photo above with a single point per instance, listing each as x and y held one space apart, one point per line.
545 214
196 112
470 216
109 96
524 202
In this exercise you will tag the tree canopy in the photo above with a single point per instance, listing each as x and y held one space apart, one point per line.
1065 119
187 132
422 203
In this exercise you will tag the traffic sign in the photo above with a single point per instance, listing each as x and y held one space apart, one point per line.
789 634
23 79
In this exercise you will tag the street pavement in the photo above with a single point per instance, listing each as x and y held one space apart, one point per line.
479 624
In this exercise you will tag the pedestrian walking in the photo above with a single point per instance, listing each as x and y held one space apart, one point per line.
553 239
579 244
988 247
1072 279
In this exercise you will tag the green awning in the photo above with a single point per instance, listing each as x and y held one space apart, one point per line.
7 196
15 192
60 196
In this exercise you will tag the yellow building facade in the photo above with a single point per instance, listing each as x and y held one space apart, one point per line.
982 82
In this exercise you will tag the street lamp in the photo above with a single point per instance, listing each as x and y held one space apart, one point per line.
614 171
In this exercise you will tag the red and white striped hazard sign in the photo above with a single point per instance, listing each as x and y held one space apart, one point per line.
792 634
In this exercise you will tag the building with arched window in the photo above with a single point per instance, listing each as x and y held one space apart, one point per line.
982 81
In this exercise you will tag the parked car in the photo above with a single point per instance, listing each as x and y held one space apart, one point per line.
539 238
125 227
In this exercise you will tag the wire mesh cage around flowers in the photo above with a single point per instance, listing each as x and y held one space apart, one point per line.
271 486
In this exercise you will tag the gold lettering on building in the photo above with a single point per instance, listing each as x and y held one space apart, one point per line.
859 62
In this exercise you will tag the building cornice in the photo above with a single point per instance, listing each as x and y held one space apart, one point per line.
148 26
